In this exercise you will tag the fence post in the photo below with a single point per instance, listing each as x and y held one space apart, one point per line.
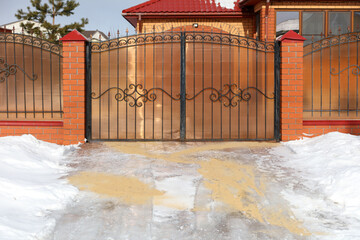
74 87
291 86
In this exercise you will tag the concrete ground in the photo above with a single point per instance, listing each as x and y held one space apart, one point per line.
172 190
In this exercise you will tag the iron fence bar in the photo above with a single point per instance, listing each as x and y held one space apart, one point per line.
239 70
312 77
171 85
51 85
118 85
203 86
194 73
256 84
339 92
16 106
348 92
136 67
33 72
162 93
6 79
321 80
100 91
330 100
230 62
154 83
247 75
126 80
183 87
42 79
212 86
357 78
333 110
221 60
145 88
265 120
108 107
60 86
277 135
23 57
88 103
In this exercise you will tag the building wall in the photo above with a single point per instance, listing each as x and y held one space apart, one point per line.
238 26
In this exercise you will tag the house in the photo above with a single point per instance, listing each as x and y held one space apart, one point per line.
2 29
95 36
16 26
263 18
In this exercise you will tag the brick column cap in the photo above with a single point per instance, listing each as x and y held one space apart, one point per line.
74 35
292 37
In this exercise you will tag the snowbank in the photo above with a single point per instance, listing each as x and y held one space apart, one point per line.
230 4
31 186
329 166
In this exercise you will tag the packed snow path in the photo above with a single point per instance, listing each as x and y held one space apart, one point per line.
211 191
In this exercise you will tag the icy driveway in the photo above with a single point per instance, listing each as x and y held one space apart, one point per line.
193 191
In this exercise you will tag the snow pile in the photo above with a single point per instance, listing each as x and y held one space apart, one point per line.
230 4
30 186
332 161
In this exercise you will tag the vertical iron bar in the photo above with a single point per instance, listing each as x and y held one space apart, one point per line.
321 81
312 77
88 90
348 93
221 85
118 86
108 105
247 62
51 86
194 72
171 83
239 88
23 57
42 78
7 87
16 106
127 77
162 86
339 109
203 84
154 83
212 84
256 94
100 90
277 91
136 73
60 84
32 53
265 120
144 88
330 107
230 87
183 87
357 78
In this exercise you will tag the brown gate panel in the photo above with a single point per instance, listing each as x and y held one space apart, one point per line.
331 78
137 86
30 78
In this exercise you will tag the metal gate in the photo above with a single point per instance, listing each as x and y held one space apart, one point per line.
182 86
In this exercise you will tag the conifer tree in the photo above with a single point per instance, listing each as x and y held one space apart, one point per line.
46 15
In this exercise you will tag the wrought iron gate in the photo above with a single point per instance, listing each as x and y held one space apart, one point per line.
182 86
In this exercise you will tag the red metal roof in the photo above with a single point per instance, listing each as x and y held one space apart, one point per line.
181 6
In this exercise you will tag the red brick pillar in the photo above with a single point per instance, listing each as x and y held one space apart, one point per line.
291 86
74 87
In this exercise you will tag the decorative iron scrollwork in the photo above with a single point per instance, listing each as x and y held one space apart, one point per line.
355 71
136 95
11 70
230 95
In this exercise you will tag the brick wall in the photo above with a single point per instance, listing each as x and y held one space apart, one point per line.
238 26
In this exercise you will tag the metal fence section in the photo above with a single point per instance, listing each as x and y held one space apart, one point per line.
331 78
182 86
30 78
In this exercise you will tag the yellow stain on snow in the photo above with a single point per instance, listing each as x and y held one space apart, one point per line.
129 189
237 186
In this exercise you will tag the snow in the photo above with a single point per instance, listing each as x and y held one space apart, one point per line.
328 169
31 186
230 4
315 179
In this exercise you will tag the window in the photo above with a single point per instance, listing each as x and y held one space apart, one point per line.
286 21
356 21
339 23
313 26
258 25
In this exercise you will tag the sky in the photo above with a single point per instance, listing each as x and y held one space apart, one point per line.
104 15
